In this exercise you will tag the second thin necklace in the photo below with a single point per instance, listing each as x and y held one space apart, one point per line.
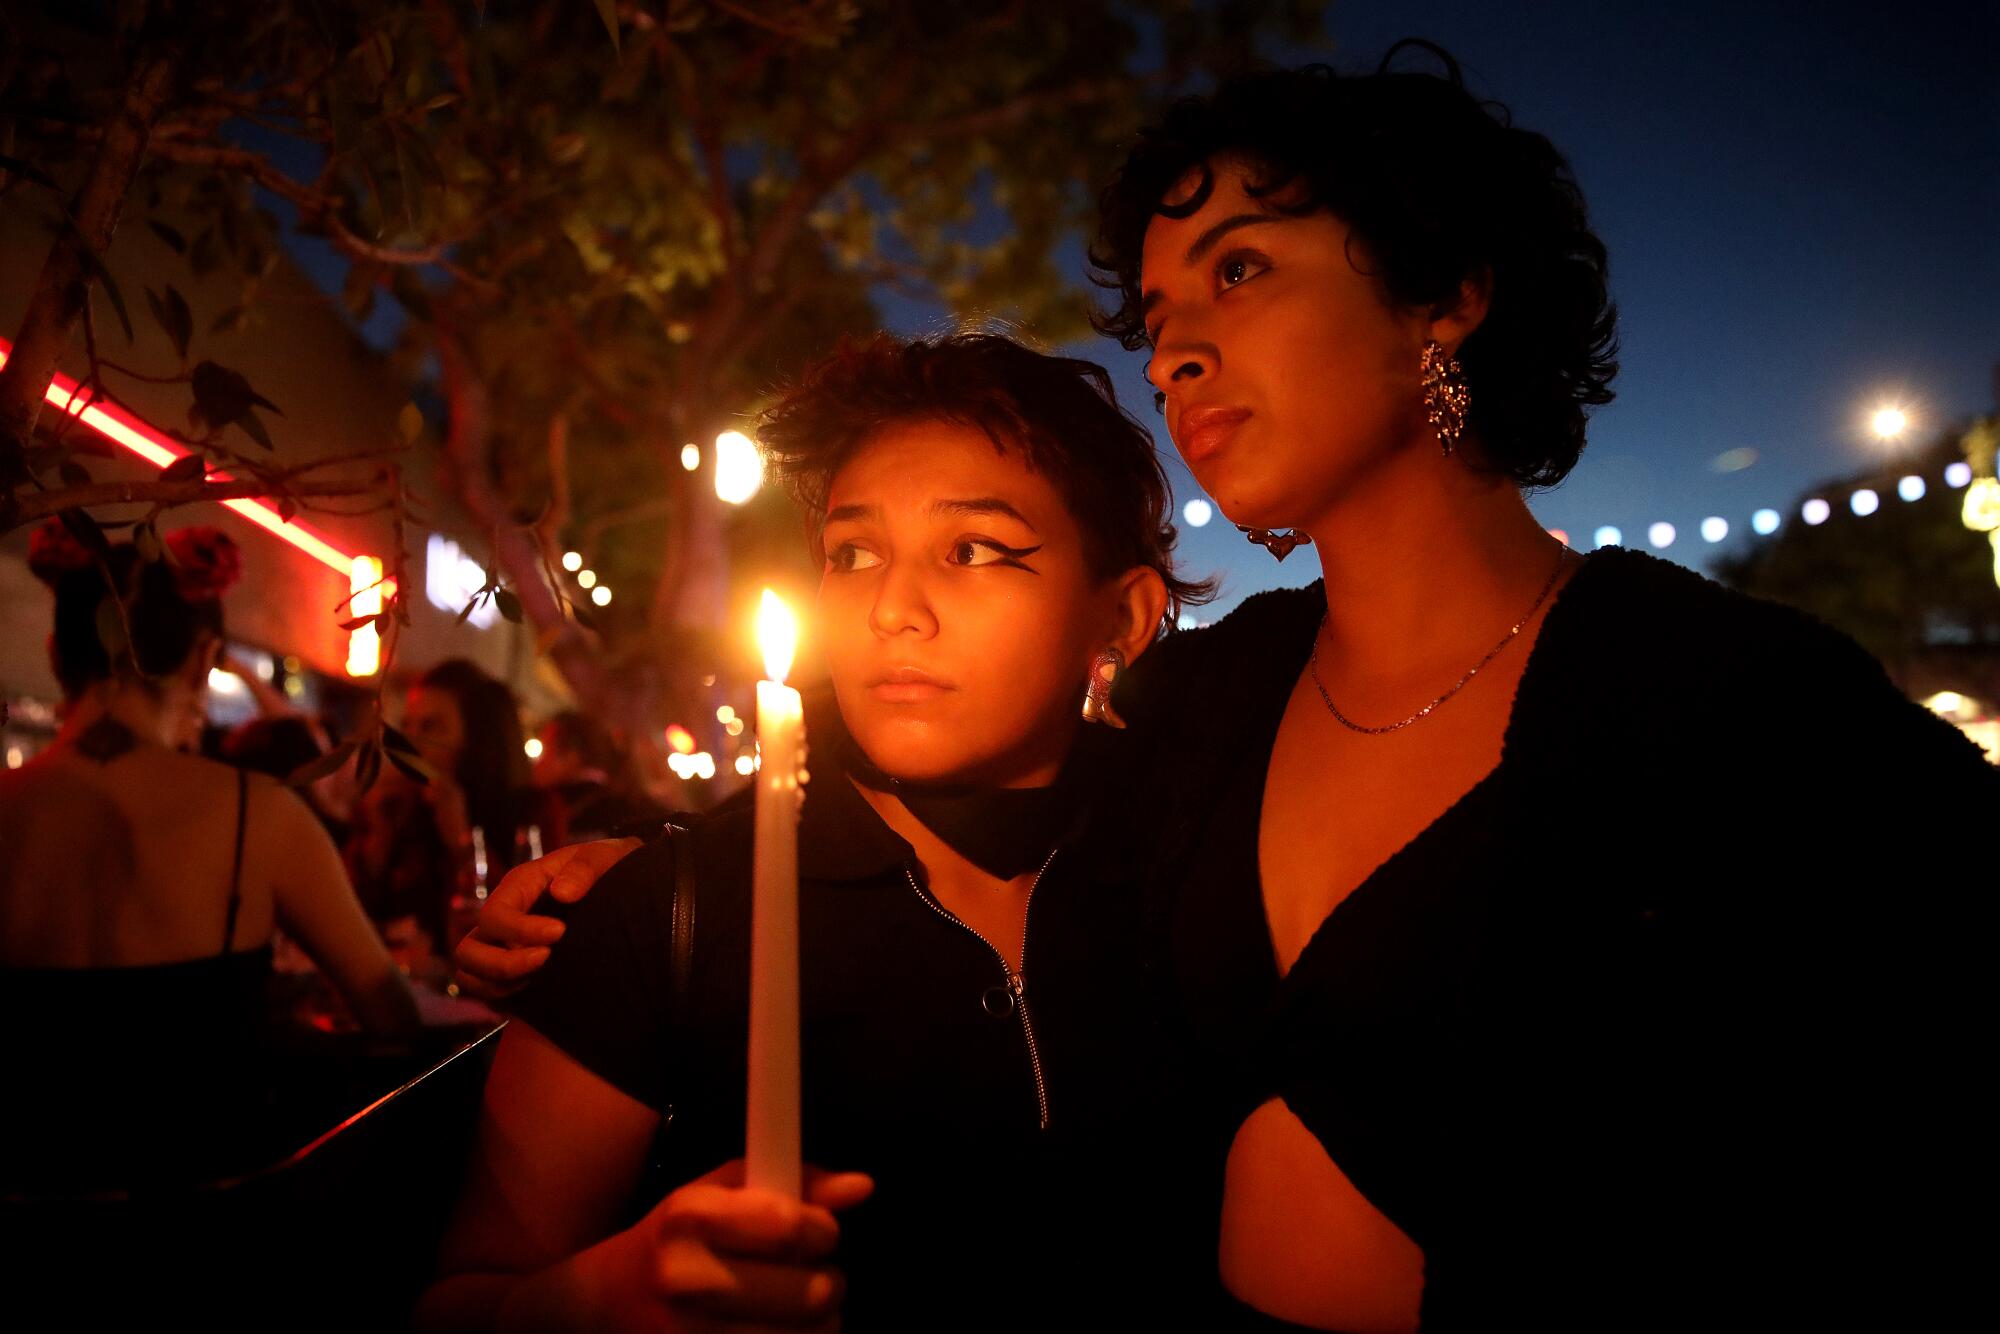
1562 559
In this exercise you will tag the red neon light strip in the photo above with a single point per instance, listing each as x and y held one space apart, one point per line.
121 428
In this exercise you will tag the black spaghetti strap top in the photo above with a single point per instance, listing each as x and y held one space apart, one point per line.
137 1076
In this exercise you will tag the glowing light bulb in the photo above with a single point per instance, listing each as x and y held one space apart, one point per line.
1864 502
1198 512
1607 536
691 456
601 596
586 578
739 467
1661 535
1815 511
1958 475
1911 488
533 746
1889 422
1765 522
572 561
1714 528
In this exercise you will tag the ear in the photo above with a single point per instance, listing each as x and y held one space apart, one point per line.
1453 322
1141 602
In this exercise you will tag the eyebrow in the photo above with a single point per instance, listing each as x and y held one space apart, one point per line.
1207 242
983 505
974 505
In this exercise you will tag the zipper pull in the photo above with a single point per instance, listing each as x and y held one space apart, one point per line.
1001 1001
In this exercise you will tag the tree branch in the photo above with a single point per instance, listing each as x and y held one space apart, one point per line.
21 510
63 286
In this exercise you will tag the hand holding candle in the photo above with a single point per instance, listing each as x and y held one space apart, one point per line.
771 1135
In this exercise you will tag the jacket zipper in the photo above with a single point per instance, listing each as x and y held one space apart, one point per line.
1017 983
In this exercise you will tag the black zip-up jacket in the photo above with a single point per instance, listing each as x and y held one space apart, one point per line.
925 1065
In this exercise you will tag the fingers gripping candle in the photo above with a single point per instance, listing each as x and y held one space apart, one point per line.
771 1139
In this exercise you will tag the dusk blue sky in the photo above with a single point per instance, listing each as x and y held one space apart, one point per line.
1800 202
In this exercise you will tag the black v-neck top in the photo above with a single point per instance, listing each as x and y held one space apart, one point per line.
1667 1022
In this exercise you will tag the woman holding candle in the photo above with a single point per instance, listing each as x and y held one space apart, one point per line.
993 531
1533 906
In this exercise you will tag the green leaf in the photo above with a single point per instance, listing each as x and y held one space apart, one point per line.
146 541
253 426
368 767
191 468
509 605
360 622
224 396
85 530
229 321
410 291
95 263
608 11
471 605
174 316
314 770
73 473
395 742
288 508
410 767
170 235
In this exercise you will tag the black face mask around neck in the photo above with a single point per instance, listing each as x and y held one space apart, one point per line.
1004 831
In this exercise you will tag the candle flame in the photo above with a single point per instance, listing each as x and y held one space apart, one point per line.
777 635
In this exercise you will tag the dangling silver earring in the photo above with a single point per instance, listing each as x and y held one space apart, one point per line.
1278 544
1104 669
1446 397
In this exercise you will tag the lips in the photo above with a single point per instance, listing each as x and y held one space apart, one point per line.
908 685
1201 431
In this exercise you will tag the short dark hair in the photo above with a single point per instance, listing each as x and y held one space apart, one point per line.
1061 413
1436 187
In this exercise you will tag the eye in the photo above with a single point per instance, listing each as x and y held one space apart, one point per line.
975 552
1233 270
846 558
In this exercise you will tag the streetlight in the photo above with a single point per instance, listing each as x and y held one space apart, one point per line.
739 468
1889 422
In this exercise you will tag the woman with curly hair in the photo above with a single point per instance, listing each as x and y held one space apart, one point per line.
140 887
1560 941
1535 904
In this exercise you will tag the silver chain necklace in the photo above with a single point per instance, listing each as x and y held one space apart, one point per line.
1562 558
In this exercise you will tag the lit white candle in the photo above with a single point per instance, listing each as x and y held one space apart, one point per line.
771 1136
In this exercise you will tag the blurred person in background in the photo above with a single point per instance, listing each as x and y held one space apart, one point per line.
588 775
416 845
281 746
142 886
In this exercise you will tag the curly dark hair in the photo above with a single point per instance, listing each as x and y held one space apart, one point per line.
1060 411
1436 187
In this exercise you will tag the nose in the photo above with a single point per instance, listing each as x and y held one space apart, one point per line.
1180 363
901 606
